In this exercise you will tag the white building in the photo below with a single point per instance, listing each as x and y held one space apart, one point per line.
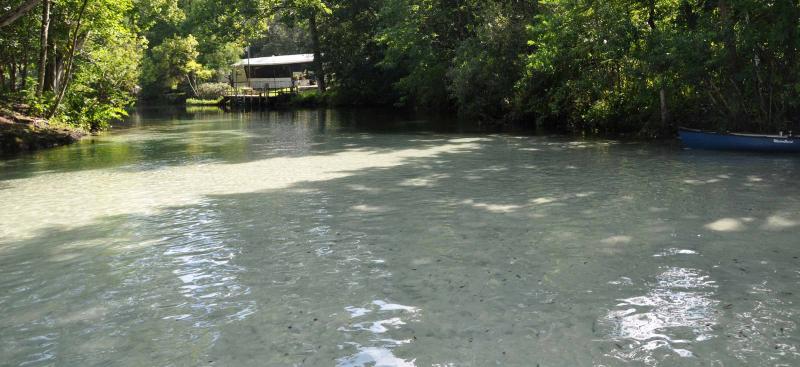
273 72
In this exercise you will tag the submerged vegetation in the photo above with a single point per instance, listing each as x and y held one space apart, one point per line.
641 66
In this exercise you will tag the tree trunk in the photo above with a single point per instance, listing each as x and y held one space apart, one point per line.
312 25
43 46
728 35
15 14
662 92
54 68
70 62
664 109
651 19
13 77
192 85
790 49
23 72
731 67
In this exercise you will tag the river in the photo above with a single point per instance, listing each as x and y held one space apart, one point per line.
355 239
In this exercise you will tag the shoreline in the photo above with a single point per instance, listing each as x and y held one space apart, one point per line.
20 133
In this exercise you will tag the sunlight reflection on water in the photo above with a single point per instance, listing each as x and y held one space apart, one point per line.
381 354
676 312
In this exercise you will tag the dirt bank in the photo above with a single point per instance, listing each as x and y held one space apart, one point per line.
22 133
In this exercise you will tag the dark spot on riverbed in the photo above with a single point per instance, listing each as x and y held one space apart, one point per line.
742 334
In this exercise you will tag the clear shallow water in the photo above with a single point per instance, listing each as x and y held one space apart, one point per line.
362 239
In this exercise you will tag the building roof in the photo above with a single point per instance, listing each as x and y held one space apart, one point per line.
277 60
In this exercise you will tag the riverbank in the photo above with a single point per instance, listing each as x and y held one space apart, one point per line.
22 133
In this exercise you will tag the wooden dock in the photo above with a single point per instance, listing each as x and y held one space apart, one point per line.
257 100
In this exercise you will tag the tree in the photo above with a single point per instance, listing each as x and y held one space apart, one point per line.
174 62
14 14
311 12
45 32
70 59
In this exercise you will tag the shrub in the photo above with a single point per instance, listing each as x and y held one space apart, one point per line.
212 90
307 99
90 113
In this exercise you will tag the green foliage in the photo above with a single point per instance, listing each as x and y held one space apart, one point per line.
616 66
487 65
353 56
422 39
173 62
281 39
91 113
105 82
37 106
101 79
307 99
603 65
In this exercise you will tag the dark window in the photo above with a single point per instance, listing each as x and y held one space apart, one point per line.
274 71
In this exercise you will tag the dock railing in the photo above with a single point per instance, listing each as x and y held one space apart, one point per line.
247 98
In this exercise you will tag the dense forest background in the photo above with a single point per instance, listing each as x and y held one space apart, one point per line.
610 66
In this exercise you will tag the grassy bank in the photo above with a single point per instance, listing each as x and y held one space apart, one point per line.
203 102
22 133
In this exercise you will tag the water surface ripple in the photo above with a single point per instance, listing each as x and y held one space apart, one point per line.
361 239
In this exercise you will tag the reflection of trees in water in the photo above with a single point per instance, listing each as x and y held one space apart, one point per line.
678 311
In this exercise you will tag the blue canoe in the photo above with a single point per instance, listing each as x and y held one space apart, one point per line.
699 139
